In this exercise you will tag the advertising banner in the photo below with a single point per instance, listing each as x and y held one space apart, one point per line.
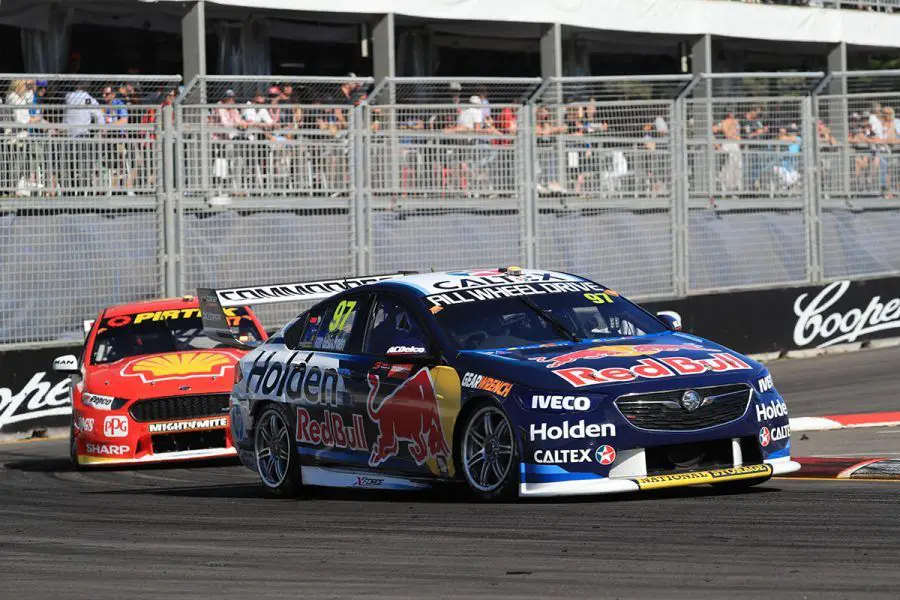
793 318
32 396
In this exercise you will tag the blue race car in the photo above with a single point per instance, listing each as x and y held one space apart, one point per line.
511 381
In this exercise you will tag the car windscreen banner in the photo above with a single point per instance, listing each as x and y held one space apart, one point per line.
793 318
32 396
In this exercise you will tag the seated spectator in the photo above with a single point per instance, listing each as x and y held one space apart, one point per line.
229 117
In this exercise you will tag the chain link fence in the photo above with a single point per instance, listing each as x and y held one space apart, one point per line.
115 189
605 154
858 144
748 167
446 161
269 180
81 199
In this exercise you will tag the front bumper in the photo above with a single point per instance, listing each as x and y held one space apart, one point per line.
636 483
206 453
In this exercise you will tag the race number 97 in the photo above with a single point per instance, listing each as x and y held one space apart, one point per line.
599 298
341 314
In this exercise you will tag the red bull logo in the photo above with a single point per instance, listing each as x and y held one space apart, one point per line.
409 414
608 351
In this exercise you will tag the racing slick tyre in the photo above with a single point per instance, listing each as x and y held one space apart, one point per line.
73 448
276 457
488 454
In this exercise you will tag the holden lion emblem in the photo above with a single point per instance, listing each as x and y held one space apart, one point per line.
690 400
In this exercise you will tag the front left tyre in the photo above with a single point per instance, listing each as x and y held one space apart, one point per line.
277 461
73 446
488 454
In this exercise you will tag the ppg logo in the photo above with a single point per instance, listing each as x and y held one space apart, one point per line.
115 426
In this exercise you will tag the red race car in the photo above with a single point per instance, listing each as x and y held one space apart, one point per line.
151 386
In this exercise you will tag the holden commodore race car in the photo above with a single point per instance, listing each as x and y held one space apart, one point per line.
150 386
511 381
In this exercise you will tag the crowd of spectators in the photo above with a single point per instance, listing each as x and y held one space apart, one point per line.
285 141
70 142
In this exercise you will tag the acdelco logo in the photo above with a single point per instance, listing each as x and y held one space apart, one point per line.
179 366
579 430
582 403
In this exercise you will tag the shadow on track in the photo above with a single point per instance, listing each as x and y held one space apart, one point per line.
437 496
64 465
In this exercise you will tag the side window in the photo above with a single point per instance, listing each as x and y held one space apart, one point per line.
393 324
334 328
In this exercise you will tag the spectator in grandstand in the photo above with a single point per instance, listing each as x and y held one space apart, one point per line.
21 170
827 154
229 117
874 119
889 149
257 116
116 150
81 111
546 131
729 129
754 132
259 123
788 170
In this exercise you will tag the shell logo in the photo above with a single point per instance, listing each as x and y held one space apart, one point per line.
181 365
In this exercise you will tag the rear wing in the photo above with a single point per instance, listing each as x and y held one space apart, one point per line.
215 324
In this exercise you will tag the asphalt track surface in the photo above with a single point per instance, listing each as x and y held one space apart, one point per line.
209 531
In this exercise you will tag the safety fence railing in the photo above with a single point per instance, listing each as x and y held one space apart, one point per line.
115 188
82 197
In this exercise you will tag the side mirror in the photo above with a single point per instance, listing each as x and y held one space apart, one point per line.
415 349
671 318
66 364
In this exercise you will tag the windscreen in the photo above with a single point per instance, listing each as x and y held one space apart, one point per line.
482 324
142 333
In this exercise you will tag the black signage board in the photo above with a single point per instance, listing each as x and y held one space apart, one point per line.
793 318
32 395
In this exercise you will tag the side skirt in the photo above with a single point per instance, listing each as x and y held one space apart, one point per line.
349 478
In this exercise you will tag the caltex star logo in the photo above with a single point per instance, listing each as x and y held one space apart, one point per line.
764 437
606 455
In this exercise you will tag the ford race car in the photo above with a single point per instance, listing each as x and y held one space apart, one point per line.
512 381
150 386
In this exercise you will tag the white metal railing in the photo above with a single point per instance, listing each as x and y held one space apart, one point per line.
659 186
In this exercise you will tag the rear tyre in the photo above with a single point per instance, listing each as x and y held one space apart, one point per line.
276 455
488 454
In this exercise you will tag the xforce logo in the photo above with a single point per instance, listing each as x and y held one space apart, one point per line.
578 431
582 403
772 410
312 384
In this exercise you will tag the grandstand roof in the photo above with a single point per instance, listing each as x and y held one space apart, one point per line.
686 17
